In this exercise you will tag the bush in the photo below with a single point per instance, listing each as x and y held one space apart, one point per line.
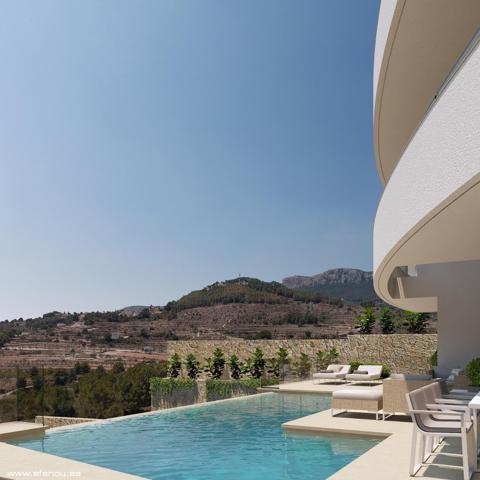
192 366
416 322
235 367
303 366
221 389
386 320
167 386
257 364
174 366
366 320
323 359
216 364
472 371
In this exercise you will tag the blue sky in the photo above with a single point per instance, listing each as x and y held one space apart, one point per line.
150 148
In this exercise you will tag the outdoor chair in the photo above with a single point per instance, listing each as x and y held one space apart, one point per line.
432 422
396 387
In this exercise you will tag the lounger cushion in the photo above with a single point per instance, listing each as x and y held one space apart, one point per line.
358 393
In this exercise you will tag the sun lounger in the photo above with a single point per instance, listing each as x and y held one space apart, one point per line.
365 373
333 373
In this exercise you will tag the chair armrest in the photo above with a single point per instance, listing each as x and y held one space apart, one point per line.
439 412
451 401
459 395
448 408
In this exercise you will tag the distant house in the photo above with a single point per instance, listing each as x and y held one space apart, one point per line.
115 336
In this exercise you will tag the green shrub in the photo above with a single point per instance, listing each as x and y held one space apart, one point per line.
416 322
257 364
174 366
220 389
166 386
235 366
216 364
366 320
192 366
472 371
323 359
386 320
303 366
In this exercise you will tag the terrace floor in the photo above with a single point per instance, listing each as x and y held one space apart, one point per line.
11 430
387 460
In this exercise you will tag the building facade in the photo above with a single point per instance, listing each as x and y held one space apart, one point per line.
427 146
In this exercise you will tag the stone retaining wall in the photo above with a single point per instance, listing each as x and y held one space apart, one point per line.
50 421
402 353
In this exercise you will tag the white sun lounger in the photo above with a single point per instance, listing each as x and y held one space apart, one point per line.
334 373
372 373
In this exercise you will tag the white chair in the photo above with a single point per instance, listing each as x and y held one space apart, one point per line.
365 373
432 422
333 373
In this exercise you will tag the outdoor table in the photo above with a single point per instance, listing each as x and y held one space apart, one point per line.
474 406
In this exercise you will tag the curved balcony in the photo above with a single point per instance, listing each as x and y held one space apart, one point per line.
418 43
430 210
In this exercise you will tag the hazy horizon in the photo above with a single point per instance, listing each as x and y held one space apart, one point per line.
150 149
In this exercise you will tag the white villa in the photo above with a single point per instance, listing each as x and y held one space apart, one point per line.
427 144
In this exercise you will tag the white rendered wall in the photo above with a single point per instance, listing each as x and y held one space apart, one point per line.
457 287
442 157
385 15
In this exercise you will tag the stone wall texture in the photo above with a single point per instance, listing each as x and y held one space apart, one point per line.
50 421
402 353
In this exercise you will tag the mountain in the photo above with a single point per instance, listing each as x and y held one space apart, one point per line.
349 284
244 290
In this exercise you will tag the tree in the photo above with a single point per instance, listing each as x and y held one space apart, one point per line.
235 367
386 320
257 364
192 366
323 359
303 366
416 322
81 368
216 364
366 320
118 367
174 366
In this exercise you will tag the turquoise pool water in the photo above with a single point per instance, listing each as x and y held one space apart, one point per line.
240 439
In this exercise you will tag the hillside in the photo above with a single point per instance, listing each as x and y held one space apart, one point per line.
244 290
349 284
241 308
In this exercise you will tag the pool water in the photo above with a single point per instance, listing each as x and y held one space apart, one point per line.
240 439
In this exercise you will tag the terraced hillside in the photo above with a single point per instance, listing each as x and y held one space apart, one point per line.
240 308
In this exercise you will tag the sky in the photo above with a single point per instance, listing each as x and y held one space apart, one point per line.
149 148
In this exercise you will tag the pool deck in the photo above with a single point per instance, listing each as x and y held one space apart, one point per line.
389 459
12 430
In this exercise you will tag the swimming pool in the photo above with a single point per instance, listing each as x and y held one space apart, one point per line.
239 439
